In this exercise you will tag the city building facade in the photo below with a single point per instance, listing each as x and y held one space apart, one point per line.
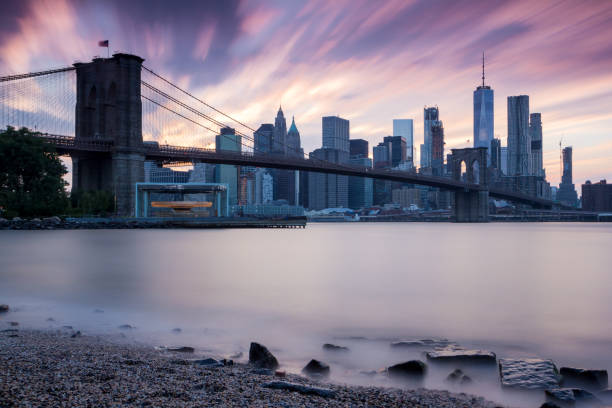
336 133
519 141
405 129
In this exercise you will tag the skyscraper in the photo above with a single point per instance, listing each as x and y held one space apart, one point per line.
495 151
396 149
519 142
437 148
503 160
381 156
328 190
483 115
430 115
405 128
361 189
294 145
336 133
567 192
535 132
264 137
280 133
227 173
358 148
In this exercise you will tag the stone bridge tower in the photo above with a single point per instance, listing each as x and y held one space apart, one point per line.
471 205
109 108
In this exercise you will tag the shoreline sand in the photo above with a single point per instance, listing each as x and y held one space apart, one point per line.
59 368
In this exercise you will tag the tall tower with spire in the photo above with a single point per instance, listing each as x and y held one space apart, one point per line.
280 133
294 144
483 115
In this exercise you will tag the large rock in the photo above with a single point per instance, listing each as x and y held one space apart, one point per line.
183 349
413 369
592 380
316 367
52 220
571 397
4 308
528 373
409 344
455 354
261 357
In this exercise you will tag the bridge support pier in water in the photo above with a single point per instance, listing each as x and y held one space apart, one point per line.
470 165
109 108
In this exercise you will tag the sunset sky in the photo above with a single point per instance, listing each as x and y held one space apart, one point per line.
367 61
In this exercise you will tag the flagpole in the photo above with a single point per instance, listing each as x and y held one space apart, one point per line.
108 50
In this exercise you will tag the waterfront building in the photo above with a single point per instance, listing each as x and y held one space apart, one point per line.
597 196
228 140
535 132
430 115
567 192
328 190
519 141
264 186
156 174
361 189
358 148
336 133
274 209
483 115
405 129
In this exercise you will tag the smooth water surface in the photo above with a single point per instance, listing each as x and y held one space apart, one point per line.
518 289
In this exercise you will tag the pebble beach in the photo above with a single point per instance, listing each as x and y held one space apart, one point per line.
68 369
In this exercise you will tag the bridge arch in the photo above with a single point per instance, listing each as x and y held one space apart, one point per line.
470 205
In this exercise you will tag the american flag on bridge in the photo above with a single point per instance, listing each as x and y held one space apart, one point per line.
103 43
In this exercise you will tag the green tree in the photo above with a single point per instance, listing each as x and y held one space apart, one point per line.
31 172
98 202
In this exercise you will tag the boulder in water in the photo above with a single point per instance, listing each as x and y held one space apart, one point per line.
414 369
316 367
183 349
261 357
458 377
455 354
592 380
570 397
4 308
528 373
333 347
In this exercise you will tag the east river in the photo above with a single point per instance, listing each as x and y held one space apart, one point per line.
519 289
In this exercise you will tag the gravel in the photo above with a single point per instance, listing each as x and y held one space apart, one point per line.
51 368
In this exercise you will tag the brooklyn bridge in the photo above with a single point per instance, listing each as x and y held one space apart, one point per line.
101 113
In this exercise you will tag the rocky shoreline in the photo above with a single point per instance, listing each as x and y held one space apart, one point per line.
63 368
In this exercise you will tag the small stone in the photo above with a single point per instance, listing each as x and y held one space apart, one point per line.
176 330
4 308
279 373
14 324
76 334
126 327
333 347
209 362
262 371
261 357
302 389
183 349
316 367
52 220
17 219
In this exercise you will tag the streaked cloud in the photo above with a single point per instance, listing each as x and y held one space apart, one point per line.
366 61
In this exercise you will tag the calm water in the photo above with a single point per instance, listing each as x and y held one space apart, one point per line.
540 290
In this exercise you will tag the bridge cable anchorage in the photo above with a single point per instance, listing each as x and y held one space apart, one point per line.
218 123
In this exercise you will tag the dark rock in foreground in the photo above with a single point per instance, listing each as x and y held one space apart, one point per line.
454 354
570 397
302 389
413 369
4 308
528 373
316 367
333 347
420 343
549 405
261 357
592 380
208 362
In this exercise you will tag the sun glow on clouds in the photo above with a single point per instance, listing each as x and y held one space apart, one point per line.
366 61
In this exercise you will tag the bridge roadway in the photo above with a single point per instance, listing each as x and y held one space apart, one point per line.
179 154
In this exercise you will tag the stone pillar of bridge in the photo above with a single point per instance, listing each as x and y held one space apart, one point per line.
471 205
109 108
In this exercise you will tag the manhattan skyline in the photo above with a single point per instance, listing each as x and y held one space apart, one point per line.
370 63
